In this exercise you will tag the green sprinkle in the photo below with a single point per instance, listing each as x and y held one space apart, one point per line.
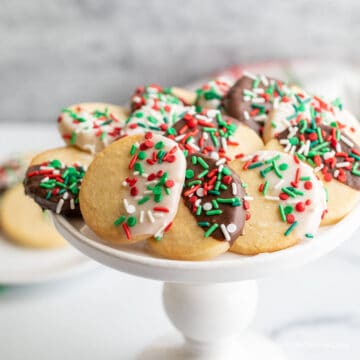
287 191
265 171
120 220
226 171
202 162
214 212
355 170
255 165
142 155
291 228
309 236
144 200
305 178
215 204
283 166
133 149
266 186
282 213
189 174
131 221
203 223
73 138
202 174
194 182
275 158
212 228
288 209
194 160
199 210
159 145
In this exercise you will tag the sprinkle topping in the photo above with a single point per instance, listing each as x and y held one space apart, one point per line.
216 198
55 186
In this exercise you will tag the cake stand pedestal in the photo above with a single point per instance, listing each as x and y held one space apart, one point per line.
211 303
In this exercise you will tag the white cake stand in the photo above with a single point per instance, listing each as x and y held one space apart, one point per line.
211 303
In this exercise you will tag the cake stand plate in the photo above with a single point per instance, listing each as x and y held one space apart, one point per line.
211 303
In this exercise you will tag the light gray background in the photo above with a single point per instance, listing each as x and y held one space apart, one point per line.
54 53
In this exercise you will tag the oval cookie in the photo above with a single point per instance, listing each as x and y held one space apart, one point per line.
25 223
287 202
91 126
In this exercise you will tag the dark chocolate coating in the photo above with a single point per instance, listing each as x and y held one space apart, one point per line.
230 214
33 189
351 179
235 105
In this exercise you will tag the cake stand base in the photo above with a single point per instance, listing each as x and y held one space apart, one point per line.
214 320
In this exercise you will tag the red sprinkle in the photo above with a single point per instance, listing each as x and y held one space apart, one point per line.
300 206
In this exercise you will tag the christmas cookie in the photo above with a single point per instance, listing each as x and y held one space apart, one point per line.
92 126
213 134
143 176
211 215
335 159
211 94
287 202
12 171
24 223
54 178
252 97
311 109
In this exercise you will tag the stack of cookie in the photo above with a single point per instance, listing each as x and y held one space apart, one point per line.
251 166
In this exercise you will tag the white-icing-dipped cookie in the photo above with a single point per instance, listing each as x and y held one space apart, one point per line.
143 176
287 202
214 134
92 126
311 109
211 94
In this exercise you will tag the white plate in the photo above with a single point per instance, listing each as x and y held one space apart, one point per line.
19 265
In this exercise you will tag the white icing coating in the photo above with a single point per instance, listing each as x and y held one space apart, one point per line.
308 220
210 95
149 220
155 119
280 118
87 129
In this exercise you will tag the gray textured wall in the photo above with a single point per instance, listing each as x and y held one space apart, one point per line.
53 53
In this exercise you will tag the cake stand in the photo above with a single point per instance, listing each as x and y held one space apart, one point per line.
211 303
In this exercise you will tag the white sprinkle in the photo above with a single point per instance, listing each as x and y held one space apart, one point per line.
205 136
124 183
72 204
258 91
329 155
180 137
225 232
292 151
207 206
231 228
136 173
144 175
248 198
317 169
276 103
260 117
214 155
346 141
147 192
274 198
342 164
59 206
66 196
279 184
336 173
150 216
234 188
198 202
130 209
247 98
284 141
338 147
141 216
220 162
246 115
45 179
264 80
220 168
288 147
223 143
200 192
249 75
258 100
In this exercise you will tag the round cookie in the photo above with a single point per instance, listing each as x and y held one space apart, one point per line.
310 108
25 223
213 134
287 202
92 126
12 171
252 97
211 94
211 215
335 159
54 177
143 176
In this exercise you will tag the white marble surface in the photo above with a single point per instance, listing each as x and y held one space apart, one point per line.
313 312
